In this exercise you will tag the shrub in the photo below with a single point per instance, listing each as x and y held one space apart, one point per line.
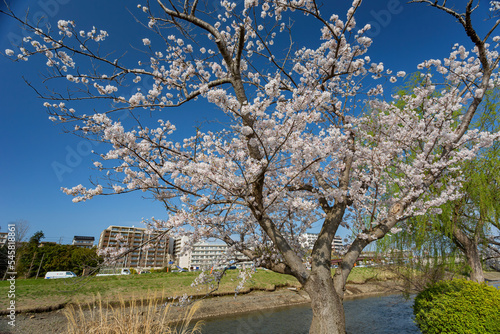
458 306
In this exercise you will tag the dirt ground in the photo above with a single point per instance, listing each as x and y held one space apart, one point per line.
492 276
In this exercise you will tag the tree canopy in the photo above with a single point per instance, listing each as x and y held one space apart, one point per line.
308 134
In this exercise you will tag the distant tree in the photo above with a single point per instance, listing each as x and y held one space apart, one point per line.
28 254
68 258
55 257
3 260
21 230
35 238
21 227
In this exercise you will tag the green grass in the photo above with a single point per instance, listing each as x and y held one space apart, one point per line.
32 293
360 275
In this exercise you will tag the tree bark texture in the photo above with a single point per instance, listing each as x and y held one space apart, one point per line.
470 249
326 304
474 261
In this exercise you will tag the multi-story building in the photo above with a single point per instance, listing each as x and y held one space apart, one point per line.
145 250
308 240
83 241
181 259
203 255
337 244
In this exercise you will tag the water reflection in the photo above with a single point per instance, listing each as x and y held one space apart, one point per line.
385 314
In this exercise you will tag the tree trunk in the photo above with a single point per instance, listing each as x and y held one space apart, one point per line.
474 261
326 304
470 249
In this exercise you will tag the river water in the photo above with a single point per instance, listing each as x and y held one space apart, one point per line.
385 314
390 314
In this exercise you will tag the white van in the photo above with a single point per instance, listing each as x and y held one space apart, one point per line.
113 271
59 274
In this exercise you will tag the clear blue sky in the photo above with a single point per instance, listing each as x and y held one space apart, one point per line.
32 145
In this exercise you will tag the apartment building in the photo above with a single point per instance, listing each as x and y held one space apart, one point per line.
337 244
203 255
83 241
147 250
308 240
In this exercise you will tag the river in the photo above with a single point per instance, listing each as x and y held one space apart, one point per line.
384 314
390 314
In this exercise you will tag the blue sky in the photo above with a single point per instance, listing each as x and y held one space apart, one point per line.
34 148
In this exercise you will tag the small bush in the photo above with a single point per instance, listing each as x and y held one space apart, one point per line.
458 306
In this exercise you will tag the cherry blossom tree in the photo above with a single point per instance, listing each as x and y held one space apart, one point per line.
307 134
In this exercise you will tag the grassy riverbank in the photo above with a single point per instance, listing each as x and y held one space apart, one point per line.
363 282
36 293
40 293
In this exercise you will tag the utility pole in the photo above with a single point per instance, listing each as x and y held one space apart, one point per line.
41 261
31 265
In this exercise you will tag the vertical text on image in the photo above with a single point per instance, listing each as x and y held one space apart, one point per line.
11 273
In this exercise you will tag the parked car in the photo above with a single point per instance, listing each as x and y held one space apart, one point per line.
113 271
144 272
59 274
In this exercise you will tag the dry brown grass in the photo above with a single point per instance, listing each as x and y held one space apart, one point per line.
146 316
